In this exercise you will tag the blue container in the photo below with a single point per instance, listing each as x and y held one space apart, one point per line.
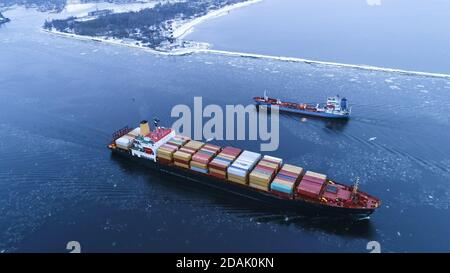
281 188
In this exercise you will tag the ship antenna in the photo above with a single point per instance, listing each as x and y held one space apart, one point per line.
155 122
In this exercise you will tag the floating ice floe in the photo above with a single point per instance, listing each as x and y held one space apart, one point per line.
372 138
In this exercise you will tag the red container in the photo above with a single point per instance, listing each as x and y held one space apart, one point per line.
288 173
217 175
187 150
309 189
313 179
164 161
262 167
180 161
202 158
214 165
282 194
231 151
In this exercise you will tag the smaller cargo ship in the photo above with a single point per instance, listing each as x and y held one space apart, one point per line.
249 174
334 108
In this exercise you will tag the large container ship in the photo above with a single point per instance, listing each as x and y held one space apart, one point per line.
334 108
252 175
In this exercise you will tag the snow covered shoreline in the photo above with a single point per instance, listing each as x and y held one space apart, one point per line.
118 42
186 28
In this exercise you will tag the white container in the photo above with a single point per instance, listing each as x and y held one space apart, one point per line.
248 154
317 175
123 142
237 172
275 159
242 165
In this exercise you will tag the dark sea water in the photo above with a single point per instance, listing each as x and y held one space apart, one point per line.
407 34
62 98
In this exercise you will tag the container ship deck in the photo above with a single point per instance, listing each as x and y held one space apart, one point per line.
235 171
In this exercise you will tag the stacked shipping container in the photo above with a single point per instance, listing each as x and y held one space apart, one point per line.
285 181
247 167
219 165
201 159
239 170
311 184
183 156
165 153
178 140
264 171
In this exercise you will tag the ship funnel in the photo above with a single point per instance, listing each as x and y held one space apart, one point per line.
145 128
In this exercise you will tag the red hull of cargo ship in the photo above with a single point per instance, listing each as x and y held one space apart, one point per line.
334 108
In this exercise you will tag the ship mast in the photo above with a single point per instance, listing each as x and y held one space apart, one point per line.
156 122
355 188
